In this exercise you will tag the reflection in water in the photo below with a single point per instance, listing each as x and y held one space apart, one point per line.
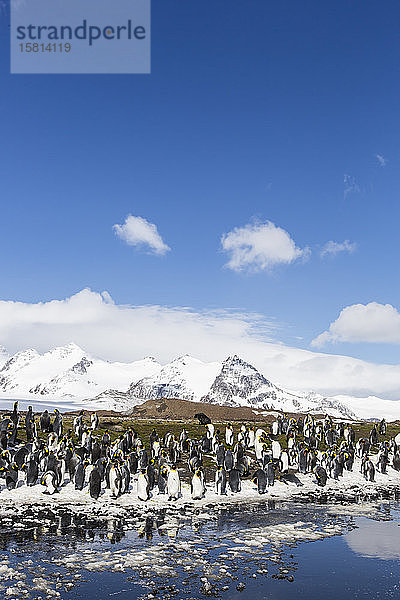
375 539
180 554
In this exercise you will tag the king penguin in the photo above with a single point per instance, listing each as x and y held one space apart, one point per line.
220 481
173 484
197 486
95 483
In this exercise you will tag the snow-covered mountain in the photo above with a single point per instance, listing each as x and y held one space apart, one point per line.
68 374
240 384
231 383
185 378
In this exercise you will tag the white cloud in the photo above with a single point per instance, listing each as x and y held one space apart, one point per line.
125 333
136 231
373 322
381 160
332 248
259 247
350 186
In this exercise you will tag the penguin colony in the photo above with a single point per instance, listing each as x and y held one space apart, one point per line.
98 462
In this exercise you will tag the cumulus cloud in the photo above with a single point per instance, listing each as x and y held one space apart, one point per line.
381 160
373 322
125 333
259 247
136 231
333 248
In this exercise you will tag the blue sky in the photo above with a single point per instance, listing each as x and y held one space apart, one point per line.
253 112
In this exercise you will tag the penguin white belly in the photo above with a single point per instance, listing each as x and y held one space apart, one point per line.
197 487
276 450
142 487
173 484
115 482
284 462
258 450
156 449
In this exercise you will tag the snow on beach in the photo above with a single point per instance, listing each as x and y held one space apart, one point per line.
351 487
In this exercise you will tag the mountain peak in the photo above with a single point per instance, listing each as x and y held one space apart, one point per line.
67 350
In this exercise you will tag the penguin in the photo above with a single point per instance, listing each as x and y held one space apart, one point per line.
162 479
20 456
95 451
243 465
4 437
173 484
94 421
229 435
396 461
133 463
311 460
31 469
220 481
234 481
126 479
11 476
250 437
274 428
347 458
53 464
260 478
373 436
58 423
197 486
155 449
284 462
29 419
270 473
336 468
115 481
367 469
303 460
49 481
320 475
220 455
210 430
143 488
205 445
79 476
106 439
143 459
72 464
45 424
95 483
15 420
383 462
78 426
228 460
184 441
151 473
276 450
101 467
329 438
